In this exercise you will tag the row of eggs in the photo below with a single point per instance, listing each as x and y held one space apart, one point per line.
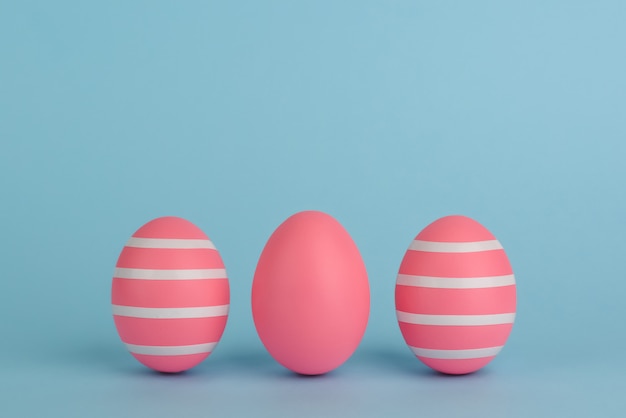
455 295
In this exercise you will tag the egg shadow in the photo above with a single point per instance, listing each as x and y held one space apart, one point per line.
257 363
237 362
382 359
288 375
394 361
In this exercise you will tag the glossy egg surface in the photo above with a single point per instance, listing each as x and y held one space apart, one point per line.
455 295
170 295
310 294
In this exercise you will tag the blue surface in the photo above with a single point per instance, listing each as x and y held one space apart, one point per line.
387 115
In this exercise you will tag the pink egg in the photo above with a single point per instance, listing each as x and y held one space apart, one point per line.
170 295
455 296
310 295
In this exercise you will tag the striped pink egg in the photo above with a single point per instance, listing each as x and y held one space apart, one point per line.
455 296
170 295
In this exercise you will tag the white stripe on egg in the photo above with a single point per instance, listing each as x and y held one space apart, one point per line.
175 350
455 320
455 247
455 282
171 313
186 274
456 354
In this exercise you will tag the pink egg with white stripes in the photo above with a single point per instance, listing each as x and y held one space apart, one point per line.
170 295
455 296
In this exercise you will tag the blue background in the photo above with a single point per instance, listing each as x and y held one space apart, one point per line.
387 115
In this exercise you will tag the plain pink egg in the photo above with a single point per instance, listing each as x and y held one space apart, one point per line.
170 295
455 296
310 295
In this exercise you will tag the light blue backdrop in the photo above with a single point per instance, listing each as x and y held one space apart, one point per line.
387 115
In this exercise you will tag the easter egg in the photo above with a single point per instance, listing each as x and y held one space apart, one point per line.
455 296
310 294
170 295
